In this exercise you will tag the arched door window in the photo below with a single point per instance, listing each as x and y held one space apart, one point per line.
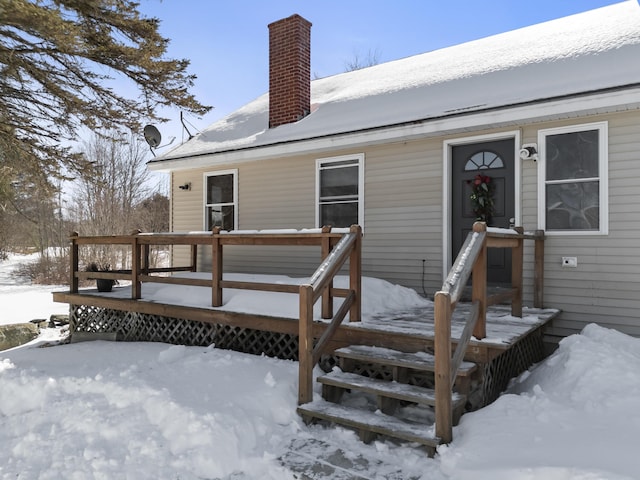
484 160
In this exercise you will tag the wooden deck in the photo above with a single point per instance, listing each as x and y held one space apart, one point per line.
501 340
511 345
411 330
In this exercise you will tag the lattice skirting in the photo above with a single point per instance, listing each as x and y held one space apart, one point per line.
140 327
520 357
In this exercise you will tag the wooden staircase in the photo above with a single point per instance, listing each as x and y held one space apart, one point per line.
451 376
398 389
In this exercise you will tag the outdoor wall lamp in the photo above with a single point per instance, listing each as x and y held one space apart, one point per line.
529 151
186 186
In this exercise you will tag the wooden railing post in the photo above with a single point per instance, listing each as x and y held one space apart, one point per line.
355 274
442 351
305 346
538 270
327 298
517 259
75 261
479 284
136 284
194 257
145 258
216 268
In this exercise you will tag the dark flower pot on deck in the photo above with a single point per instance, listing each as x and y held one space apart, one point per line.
104 284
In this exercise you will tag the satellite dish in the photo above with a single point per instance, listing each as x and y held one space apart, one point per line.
152 136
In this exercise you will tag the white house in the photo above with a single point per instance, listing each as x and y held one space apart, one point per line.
549 113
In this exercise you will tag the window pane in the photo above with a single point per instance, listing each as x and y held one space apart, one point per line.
341 163
220 217
572 155
339 182
573 206
483 160
339 215
220 189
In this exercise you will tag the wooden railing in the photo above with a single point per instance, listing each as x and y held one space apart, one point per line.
472 260
349 247
337 247
140 272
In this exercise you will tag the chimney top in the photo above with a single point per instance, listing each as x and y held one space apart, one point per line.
289 70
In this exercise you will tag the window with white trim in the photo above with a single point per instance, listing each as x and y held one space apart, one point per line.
572 194
340 191
221 200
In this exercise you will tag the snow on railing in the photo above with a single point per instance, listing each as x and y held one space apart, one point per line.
461 270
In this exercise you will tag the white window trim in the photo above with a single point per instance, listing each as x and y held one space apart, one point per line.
360 158
603 171
206 175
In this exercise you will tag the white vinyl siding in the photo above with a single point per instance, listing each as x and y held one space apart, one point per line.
404 181
573 193
403 238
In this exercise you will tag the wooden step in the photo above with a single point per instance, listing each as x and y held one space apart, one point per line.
399 391
417 361
370 422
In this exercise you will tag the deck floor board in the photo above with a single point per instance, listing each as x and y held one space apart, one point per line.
503 329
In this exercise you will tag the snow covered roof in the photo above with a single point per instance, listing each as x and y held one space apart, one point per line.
594 51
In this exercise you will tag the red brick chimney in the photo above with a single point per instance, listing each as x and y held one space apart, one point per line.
289 70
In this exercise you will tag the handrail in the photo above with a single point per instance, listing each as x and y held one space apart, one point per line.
461 271
472 260
320 281
330 266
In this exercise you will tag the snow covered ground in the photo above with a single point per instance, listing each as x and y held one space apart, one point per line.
104 410
21 301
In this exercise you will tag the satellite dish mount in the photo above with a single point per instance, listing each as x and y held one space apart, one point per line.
184 126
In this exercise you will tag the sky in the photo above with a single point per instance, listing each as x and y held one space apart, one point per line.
227 42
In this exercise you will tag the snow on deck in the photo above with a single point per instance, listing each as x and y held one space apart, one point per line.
385 306
502 327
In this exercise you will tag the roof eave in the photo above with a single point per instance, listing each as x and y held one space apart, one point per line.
613 99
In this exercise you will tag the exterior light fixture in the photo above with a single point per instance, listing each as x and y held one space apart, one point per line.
529 151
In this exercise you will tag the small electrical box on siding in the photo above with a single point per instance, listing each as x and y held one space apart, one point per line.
570 262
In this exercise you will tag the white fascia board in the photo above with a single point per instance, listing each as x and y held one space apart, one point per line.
598 103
